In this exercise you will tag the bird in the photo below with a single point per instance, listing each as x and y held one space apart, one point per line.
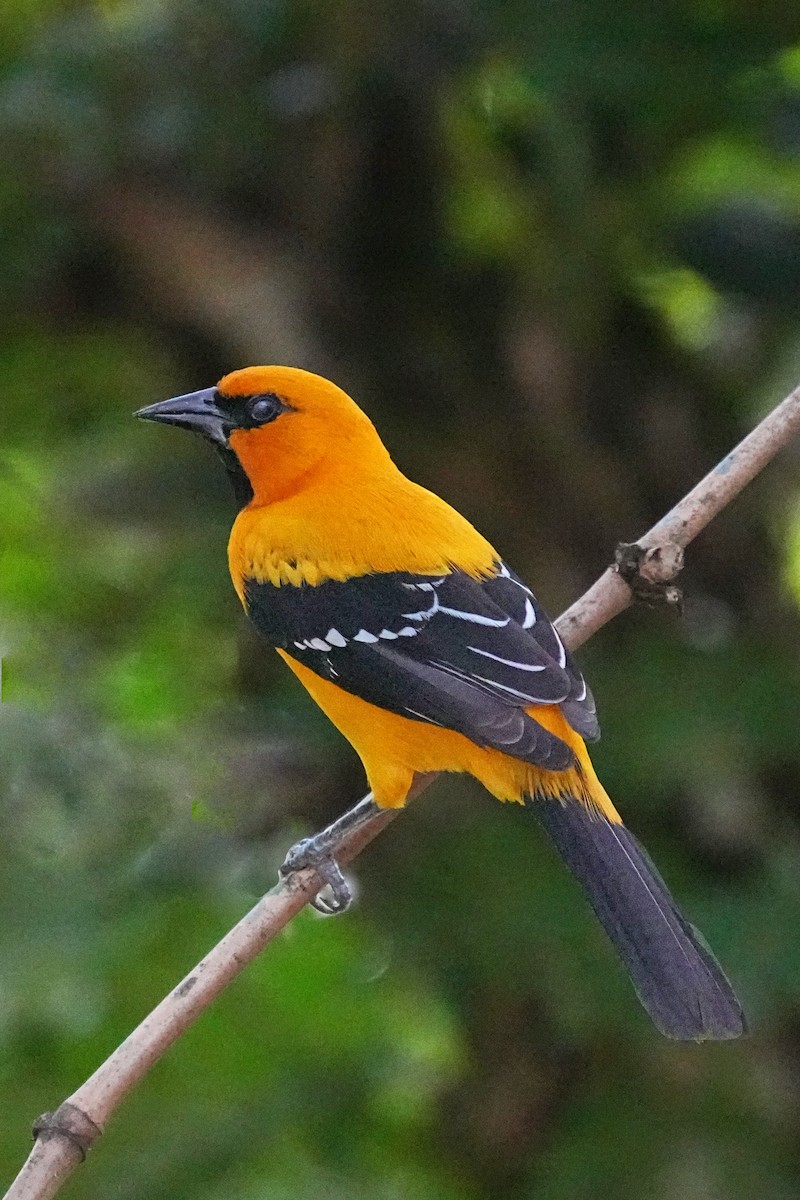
429 654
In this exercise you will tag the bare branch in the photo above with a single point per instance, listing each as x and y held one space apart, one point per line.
609 595
63 1137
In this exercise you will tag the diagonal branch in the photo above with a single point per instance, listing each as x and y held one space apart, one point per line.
63 1137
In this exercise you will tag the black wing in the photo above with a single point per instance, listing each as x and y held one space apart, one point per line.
464 654
578 706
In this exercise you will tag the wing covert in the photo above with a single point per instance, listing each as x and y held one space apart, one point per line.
449 650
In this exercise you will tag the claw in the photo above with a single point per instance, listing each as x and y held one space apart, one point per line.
318 852
313 852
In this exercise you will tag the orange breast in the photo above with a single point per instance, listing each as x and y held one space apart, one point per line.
332 532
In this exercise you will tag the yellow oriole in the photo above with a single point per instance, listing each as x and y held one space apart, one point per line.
430 654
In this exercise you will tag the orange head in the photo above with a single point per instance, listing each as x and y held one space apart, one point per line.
281 426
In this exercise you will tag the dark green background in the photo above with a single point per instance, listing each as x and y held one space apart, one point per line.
554 250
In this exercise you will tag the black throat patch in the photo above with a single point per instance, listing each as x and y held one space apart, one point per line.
242 488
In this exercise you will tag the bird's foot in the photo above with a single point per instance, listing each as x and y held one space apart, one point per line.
315 852
319 852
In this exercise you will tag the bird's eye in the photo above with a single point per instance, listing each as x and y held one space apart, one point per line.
262 409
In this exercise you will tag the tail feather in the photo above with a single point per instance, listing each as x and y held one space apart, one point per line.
675 975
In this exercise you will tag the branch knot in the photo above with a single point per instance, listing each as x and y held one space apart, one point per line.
68 1122
650 572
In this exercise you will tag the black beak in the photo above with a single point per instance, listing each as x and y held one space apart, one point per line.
197 411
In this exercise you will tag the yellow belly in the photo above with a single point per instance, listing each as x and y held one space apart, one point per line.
393 749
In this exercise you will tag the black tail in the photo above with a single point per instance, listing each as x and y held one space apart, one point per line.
676 976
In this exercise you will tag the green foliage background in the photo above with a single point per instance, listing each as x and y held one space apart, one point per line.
555 251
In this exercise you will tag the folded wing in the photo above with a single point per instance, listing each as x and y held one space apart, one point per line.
465 654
